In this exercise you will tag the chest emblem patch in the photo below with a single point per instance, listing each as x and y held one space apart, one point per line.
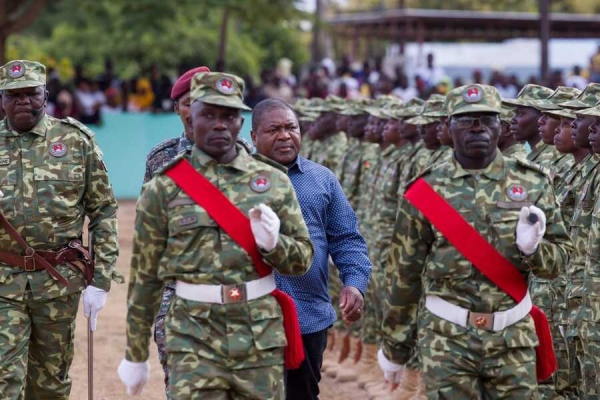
4 161
190 219
260 184
58 149
516 192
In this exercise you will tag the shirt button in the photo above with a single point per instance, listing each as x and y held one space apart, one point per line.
477 177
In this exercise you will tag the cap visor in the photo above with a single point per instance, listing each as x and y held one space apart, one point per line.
20 85
230 102
475 108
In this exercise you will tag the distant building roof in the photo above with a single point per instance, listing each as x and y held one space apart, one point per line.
451 25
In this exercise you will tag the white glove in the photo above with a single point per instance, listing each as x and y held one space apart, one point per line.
391 372
93 301
265 226
134 375
530 235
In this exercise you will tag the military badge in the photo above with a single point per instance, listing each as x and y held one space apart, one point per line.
16 69
4 161
472 94
366 164
187 220
57 149
226 86
516 192
260 184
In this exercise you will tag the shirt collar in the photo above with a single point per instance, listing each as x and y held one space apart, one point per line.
298 164
494 171
242 162
39 129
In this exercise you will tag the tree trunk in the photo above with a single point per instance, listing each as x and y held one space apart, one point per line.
222 41
2 49
316 41
14 18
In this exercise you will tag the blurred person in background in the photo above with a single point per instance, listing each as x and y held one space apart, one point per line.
431 74
275 87
112 103
576 80
89 100
161 87
65 105
142 97
403 90
595 66
108 78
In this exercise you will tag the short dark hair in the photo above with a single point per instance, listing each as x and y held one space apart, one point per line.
259 110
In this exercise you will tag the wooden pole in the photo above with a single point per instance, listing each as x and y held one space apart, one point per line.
544 38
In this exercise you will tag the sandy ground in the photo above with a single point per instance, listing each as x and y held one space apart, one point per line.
109 341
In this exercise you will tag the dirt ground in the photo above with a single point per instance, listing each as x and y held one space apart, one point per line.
109 341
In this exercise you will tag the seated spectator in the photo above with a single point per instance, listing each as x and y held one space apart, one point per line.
89 100
113 101
65 105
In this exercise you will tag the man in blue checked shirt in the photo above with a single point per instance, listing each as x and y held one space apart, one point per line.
334 231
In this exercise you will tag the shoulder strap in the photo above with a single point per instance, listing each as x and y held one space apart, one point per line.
486 259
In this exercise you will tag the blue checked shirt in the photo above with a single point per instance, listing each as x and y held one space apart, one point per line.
333 230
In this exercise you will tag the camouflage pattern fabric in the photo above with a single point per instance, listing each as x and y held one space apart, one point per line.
168 224
528 94
440 155
415 163
422 262
164 152
543 155
216 353
19 74
219 89
516 150
52 177
370 154
306 149
34 357
331 151
350 170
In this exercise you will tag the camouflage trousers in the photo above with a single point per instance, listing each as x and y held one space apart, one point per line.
591 380
224 351
36 347
159 330
468 363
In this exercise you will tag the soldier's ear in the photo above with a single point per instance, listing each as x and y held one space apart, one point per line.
253 137
176 107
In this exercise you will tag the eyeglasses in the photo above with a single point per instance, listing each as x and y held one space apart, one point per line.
465 122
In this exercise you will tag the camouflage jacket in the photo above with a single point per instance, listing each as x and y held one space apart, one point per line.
350 164
164 152
414 163
422 262
367 173
52 177
562 164
516 150
543 155
175 239
306 149
440 155
331 152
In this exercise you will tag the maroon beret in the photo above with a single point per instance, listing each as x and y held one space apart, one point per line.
182 86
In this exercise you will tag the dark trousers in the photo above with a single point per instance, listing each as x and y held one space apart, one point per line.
303 383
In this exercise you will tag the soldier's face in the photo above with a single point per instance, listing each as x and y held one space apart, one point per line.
547 127
581 131
476 142
409 131
371 129
357 125
24 107
563 140
524 124
428 133
182 108
342 122
278 136
391 131
595 135
215 129
442 132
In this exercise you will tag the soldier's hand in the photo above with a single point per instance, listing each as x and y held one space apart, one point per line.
530 235
265 226
134 375
94 300
351 304
392 372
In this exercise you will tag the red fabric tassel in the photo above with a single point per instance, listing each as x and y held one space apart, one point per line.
546 362
294 351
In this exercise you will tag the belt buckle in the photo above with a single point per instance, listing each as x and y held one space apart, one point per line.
235 293
29 260
481 320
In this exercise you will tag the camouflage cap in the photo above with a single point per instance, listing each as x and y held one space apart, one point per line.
592 111
393 111
473 98
435 107
507 113
562 112
413 108
18 74
588 98
560 95
385 100
219 89
528 93
357 107
309 117
420 120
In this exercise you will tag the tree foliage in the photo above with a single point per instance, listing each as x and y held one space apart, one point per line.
185 33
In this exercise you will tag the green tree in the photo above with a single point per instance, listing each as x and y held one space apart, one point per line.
14 17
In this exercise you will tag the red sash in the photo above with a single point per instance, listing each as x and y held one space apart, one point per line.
487 260
237 225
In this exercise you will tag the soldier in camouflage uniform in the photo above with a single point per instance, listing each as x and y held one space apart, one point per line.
416 160
507 144
524 125
463 359
333 143
589 318
160 155
2 114
231 346
52 177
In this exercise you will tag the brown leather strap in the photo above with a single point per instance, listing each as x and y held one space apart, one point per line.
31 260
